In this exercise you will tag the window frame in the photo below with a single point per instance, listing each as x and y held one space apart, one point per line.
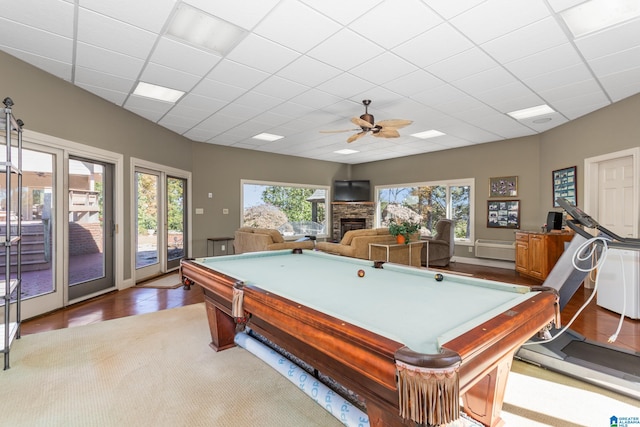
470 182
327 202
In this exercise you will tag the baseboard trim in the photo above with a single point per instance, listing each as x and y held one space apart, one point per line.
509 265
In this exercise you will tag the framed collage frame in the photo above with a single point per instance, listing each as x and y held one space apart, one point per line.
503 214
564 185
503 186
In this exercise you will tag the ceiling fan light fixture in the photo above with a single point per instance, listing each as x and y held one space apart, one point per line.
427 134
527 113
267 137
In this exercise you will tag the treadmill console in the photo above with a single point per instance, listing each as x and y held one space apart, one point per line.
577 214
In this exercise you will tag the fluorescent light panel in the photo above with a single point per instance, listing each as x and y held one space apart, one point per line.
267 137
427 134
203 30
158 93
527 113
596 15
346 151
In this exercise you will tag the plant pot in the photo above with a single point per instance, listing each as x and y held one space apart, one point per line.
400 239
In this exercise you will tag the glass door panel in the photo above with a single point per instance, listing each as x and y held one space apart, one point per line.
176 221
147 220
90 243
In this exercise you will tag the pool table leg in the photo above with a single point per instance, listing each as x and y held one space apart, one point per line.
222 327
483 401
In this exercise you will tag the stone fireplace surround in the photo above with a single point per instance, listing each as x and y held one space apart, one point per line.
350 210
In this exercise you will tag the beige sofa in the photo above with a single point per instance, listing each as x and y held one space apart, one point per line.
355 244
249 239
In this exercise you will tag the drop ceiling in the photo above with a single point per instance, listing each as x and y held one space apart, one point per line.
306 65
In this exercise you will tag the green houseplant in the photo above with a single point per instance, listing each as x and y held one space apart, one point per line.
404 229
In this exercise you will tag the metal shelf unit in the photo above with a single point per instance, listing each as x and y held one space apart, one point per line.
11 166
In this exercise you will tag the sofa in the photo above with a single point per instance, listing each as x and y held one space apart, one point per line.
249 239
441 245
355 244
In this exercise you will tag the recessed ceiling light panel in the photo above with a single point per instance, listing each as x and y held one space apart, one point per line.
203 30
527 113
346 151
427 134
159 93
596 15
267 137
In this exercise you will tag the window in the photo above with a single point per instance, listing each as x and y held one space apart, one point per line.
426 203
294 210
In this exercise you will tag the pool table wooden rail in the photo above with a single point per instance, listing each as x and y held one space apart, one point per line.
365 362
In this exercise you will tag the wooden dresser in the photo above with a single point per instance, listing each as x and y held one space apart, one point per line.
537 252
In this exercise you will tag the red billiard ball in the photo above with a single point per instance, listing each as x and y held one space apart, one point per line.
360 273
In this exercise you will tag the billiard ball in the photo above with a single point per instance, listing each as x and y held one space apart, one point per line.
360 273
438 277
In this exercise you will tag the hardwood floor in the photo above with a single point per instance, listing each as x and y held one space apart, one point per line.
594 323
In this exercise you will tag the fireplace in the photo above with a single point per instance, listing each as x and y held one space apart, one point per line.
348 224
347 216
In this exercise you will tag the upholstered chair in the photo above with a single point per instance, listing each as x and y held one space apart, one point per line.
441 245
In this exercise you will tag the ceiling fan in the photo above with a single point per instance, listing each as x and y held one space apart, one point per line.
382 129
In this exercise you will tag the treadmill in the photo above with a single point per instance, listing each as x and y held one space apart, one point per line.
570 353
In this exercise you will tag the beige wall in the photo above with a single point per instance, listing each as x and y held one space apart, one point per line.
218 170
52 106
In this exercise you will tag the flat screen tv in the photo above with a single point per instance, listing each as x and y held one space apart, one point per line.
351 191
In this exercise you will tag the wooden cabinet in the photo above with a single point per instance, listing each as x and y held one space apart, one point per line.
537 253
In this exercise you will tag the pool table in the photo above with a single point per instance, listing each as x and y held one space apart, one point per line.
409 345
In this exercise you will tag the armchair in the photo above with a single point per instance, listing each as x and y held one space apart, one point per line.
441 245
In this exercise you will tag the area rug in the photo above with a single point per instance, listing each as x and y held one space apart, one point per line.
157 369
166 281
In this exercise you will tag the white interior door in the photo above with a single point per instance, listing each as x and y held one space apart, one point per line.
612 191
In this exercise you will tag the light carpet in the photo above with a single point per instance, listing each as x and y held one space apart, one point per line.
166 281
157 369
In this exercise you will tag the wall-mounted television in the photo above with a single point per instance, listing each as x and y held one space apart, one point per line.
351 191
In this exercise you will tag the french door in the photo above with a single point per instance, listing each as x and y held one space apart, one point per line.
161 221
91 227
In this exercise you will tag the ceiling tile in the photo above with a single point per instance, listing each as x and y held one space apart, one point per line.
428 48
117 64
544 62
123 38
35 41
498 17
262 54
179 56
342 11
333 50
462 65
167 77
308 71
97 78
280 88
40 13
310 27
528 40
150 15
384 68
234 74
245 13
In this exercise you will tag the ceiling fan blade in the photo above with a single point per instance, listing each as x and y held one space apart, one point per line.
339 131
387 133
394 123
356 136
362 123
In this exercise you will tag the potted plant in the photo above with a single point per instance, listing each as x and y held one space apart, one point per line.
403 230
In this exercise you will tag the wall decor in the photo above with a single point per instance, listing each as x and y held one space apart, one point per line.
503 186
564 185
503 213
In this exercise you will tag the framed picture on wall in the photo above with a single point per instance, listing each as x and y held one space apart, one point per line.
503 213
503 186
564 185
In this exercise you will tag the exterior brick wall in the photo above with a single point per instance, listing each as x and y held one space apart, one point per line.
85 238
